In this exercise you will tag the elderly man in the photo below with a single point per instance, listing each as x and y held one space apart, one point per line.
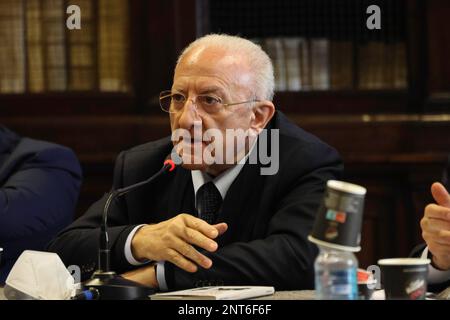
215 221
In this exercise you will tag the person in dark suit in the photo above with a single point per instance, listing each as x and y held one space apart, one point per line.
435 226
214 223
39 186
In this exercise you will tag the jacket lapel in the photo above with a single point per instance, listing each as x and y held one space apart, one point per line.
181 194
240 205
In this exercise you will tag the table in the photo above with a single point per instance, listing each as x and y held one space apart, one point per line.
290 295
279 295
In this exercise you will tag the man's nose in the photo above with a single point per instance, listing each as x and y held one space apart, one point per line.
189 115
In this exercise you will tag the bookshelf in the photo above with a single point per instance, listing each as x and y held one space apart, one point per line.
392 78
325 58
328 61
40 55
319 44
11 50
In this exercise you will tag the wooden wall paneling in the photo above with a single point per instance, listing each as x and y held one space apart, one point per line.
342 102
141 46
416 41
162 52
97 180
187 22
64 104
438 37
438 12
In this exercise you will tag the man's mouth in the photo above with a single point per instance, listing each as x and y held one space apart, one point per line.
195 141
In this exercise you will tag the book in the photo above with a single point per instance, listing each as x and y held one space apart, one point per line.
216 293
305 67
320 68
341 65
12 57
274 48
35 48
82 63
292 59
113 45
54 45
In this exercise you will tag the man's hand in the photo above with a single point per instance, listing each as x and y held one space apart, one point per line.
145 275
173 241
436 226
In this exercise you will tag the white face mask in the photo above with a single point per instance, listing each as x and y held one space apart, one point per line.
39 275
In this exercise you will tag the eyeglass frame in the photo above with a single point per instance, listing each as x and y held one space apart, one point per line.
169 94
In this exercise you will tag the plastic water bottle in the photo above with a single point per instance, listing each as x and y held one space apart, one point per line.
335 275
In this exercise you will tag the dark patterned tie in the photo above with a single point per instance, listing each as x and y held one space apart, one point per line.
209 201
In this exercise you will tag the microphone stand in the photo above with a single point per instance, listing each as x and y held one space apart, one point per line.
111 286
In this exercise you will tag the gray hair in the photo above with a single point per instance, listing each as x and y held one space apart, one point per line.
257 59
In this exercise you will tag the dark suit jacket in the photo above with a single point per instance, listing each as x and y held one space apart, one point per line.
269 217
39 185
417 251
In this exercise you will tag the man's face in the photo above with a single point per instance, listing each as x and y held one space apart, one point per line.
212 72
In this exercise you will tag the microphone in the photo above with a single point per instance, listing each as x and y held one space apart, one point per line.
104 252
108 284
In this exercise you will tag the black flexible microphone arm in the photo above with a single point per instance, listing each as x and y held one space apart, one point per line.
104 251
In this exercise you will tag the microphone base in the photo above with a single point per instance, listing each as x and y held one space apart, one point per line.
113 287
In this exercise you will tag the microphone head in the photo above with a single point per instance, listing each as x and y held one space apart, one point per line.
169 163
172 161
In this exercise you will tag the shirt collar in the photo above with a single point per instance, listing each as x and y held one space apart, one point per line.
222 181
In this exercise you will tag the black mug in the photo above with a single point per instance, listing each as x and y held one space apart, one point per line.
339 218
404 278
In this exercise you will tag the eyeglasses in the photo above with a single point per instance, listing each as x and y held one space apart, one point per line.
175 102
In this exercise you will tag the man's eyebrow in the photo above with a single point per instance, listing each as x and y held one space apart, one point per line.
211 90
177 90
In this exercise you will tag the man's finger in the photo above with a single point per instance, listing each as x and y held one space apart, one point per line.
439 239
190 252
433 224
438 253
198 239
221 227
437 212
440 250
201 226
180 261
440 194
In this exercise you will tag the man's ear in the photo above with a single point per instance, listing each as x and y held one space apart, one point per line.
262 113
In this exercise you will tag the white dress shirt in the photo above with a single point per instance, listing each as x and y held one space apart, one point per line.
434 275
199 178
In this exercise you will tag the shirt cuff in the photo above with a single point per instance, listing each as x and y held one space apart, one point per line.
161 276
128 253
434 275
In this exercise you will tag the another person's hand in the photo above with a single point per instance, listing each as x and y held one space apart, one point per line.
174 240
436 227
145 275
